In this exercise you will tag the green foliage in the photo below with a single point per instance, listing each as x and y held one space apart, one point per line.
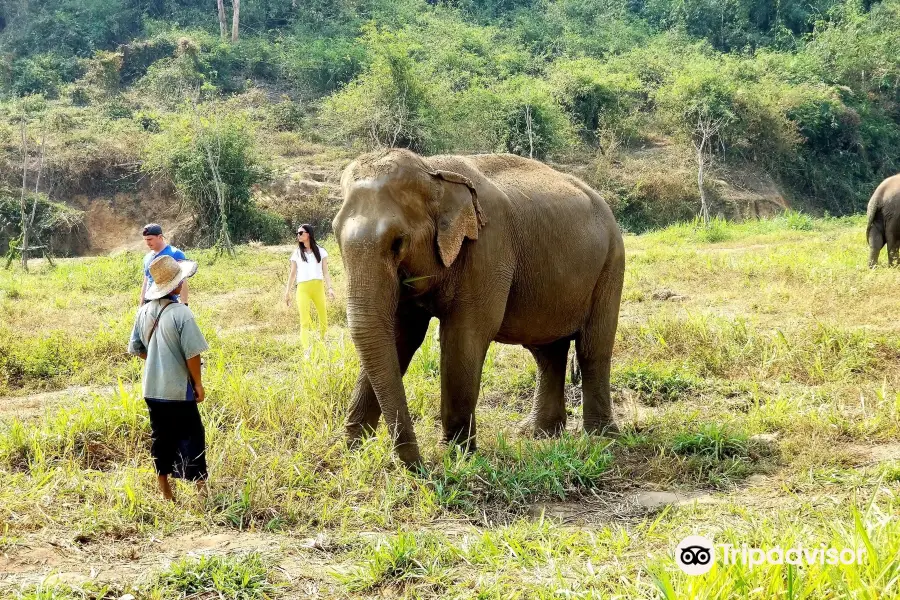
54 223
175 80
139 55
41 74
534 124
806 92
287 115
184 150
389 105
592 96
712 441
656 383
70 27
233 578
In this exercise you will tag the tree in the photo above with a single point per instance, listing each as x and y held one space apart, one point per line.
211 160
223 29
23 246
705 132
235 19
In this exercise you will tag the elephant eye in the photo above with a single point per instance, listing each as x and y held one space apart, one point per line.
398 244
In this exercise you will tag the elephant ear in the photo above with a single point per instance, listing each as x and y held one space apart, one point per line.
458 216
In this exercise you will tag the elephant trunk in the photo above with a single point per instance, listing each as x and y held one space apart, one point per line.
371 314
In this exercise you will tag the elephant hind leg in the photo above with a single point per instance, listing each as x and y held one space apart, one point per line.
876 243
548 413
893 248
594 347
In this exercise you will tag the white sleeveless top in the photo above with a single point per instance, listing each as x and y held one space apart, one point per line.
310 269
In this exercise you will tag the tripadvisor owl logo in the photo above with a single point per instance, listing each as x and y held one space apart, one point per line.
695 555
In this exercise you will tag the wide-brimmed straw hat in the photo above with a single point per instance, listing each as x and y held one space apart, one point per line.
167 273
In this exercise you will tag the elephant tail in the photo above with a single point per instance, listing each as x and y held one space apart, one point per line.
875 219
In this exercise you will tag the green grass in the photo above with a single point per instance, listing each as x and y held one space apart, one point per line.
234 578
782 331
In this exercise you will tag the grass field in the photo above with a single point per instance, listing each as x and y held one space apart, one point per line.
755 376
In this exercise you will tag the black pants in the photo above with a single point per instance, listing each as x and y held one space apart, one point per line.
179 441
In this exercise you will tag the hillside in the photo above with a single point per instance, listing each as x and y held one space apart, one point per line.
124 96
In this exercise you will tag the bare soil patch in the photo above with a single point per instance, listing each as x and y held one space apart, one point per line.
33 405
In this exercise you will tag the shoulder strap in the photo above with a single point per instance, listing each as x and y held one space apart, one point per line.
156 321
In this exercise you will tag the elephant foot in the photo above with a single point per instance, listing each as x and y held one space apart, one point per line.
538 427
550 428
356 433
464 444
525 427
409 455
603 428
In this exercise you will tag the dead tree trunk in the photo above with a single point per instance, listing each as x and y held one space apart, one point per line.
704 133
24 214
529 130
224 240
701 163
37 184
235 20
223 27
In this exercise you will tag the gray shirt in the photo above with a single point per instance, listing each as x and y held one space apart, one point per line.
177 338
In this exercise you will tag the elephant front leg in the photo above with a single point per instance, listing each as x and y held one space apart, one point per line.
462 359
364 411
548 414
362 420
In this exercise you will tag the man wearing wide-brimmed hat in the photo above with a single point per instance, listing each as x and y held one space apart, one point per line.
167 337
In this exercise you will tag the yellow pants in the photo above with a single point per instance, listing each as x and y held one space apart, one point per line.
311 292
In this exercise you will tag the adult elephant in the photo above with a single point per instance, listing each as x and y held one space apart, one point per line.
884 221
498 248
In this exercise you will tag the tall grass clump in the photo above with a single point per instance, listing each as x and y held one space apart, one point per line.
246 577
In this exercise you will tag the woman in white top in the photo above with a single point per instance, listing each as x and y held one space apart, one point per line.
309 268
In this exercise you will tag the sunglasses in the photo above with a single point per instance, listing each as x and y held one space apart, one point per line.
301 232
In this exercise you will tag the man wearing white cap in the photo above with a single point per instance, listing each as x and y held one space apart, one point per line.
167 337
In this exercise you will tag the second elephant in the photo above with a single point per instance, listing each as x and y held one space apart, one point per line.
883 216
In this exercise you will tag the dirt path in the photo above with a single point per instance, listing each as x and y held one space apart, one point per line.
34 561
34 405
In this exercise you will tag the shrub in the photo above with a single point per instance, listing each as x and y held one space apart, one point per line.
42 74
826 124
287 115
174 80
534 124
182 152
138 56
55 224
322 65
102 72
592 96
388 105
